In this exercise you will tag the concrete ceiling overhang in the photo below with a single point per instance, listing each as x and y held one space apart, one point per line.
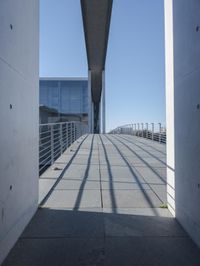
96 21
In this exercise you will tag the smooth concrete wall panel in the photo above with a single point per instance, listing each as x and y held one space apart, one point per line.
19 42
185 89
19 101
169 68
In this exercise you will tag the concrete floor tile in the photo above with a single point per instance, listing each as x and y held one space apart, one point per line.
130 198
141 226
123 185
74 184
54 223
57 252
75 171
150 175
74 199
160 212
151 251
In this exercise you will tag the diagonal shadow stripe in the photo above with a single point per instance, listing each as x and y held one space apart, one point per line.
146 196
164 153
147 164
111 188
147 152
151 154
62 174
81 189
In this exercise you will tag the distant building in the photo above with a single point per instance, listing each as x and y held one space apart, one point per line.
63 99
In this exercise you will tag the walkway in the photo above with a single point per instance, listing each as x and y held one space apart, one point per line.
105 209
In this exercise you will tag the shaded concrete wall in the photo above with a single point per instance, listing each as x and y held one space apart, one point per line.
182 31
19 116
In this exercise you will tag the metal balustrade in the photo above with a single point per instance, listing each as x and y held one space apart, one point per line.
55 138
151 131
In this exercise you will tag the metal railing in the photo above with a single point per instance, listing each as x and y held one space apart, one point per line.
55 138
151 131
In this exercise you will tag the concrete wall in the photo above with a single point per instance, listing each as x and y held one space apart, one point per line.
182 29
19 116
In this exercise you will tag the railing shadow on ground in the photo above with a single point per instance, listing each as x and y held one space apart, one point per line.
153 170
81 189
146 163
151 154
148 152
146 196
139 131
62 173
111 187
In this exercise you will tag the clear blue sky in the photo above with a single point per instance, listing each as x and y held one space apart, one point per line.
135 89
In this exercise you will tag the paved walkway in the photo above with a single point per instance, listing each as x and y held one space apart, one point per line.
105 209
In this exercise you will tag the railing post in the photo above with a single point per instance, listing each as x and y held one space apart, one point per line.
61 139
142 125
78 128
71 134
135 129
55 138
52 145
159 132
152 132
75 132
138 134
67 136
147 133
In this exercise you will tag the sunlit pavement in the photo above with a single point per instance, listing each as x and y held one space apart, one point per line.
105 208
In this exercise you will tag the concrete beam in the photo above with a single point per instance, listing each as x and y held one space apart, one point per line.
96 20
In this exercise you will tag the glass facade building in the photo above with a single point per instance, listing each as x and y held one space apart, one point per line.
63 99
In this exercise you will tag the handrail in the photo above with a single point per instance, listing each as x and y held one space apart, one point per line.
55 138
155 132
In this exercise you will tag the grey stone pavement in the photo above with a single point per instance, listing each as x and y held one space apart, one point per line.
104 208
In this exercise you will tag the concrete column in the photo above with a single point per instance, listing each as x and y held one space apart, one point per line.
100 117
103 104
19 116
182 44
90 104
92 117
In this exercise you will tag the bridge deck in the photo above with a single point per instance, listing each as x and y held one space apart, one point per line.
105 209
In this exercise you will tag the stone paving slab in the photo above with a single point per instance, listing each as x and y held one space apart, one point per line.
151 251
151 175
51 173
118 172
131 199
45 186
54 223
74 184
161 191
160 212
75 171
124 185
141 226
118 179
68 199
57 252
